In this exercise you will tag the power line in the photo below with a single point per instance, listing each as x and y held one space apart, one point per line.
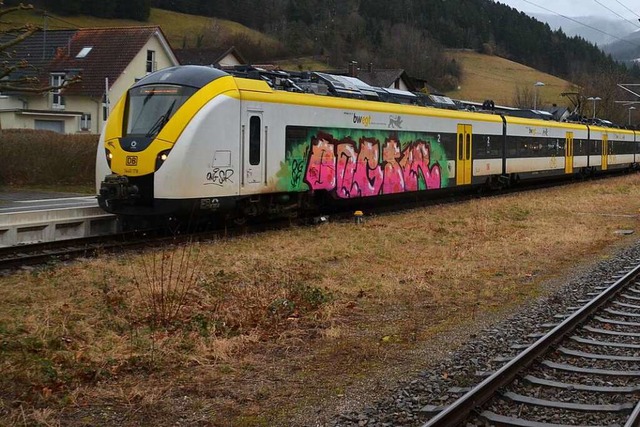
582 23
617 14
54 18
635 13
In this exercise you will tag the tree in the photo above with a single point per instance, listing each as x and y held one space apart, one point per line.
16 74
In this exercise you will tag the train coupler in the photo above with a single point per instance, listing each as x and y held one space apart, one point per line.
116 188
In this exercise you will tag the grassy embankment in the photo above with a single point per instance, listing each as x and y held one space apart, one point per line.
491 77
252 330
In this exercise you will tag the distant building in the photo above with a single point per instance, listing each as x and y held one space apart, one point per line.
213 57
108 60
385 78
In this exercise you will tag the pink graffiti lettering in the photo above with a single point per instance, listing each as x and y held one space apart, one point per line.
338 165
321 170
347 162
415 161
368 175
393 171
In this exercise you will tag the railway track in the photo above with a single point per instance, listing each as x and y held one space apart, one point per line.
15 257
584 371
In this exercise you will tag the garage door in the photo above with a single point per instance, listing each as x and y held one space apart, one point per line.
54 125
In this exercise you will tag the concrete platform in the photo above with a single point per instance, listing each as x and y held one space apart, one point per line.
28 217
19 201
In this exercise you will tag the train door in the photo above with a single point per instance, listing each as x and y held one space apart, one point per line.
254 135
463 151
568 153
605 152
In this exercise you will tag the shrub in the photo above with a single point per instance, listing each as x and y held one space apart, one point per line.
34 157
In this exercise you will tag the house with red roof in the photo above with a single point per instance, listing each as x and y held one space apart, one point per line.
107 60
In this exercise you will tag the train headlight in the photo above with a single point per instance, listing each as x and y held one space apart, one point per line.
162 156
109 155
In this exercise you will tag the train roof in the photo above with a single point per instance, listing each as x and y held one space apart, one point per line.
341 86
187 75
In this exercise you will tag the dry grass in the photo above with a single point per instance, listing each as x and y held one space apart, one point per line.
277 323
306 63
491 77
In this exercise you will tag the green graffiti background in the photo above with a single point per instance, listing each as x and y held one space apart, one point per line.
292 171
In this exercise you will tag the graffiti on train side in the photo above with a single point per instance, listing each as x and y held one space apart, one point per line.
359 172
363 164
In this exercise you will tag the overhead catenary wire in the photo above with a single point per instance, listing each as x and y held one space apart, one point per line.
55 18
623 5
618 15
582 23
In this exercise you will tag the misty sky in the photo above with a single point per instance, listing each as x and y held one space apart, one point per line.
579 7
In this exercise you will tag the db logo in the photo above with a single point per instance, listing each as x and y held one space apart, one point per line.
132 160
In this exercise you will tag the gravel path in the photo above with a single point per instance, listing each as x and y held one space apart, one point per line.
414 402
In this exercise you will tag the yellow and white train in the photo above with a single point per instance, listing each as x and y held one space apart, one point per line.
196 141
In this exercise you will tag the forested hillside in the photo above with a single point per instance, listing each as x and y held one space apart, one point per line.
388 33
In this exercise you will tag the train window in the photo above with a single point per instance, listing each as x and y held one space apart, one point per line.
150 107
254 140
460 146
468 146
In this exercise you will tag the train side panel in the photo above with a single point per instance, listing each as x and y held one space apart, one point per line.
538 148
356 150
620 148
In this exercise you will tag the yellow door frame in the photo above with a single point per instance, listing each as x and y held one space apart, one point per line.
605 152
568 153
464 148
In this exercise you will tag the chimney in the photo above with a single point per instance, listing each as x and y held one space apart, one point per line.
353 69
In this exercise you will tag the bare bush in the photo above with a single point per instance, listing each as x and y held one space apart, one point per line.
33 157
166 279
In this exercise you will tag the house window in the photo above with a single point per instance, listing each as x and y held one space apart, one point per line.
85 122
84 52
151 61
57 100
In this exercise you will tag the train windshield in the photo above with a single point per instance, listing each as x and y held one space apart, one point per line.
151 107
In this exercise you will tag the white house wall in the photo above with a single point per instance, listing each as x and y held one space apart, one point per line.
229 61
137 69
401 85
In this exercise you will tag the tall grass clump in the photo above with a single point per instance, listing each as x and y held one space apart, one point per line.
164 282
35 157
